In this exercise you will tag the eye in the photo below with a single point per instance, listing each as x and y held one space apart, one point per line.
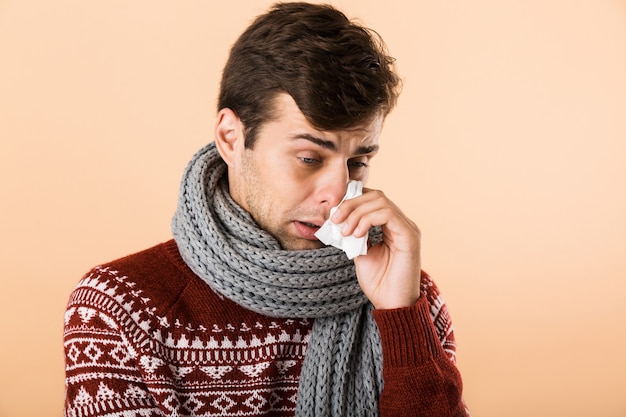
308 161
358 164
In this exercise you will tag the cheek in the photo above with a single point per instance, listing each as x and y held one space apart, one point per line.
290 192
291 177
289 183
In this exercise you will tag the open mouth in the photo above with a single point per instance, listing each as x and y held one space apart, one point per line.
307 230
310 225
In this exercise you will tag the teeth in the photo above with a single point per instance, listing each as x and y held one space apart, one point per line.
310 224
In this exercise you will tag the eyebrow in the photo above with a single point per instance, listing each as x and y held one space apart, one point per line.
330 145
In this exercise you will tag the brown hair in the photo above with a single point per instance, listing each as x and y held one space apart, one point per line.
338 72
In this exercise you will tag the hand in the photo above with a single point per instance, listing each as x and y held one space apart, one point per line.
389 274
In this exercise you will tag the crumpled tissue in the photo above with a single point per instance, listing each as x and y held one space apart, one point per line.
330 233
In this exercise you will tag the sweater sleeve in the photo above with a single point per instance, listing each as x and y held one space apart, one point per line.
102 376
419 354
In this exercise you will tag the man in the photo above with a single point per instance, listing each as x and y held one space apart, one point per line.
245 312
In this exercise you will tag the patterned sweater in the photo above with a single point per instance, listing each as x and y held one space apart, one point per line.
145 336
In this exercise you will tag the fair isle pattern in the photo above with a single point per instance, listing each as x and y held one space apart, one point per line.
160 368
128 356
440 316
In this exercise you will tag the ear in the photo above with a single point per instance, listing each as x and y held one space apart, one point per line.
229 138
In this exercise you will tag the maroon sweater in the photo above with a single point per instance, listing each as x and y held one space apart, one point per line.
145 336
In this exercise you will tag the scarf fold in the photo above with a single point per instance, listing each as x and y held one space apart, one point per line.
222 244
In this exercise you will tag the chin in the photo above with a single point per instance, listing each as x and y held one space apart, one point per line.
301 245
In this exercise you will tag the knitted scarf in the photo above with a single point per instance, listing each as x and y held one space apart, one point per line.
222 244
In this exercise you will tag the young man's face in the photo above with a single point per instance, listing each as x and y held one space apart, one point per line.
295 173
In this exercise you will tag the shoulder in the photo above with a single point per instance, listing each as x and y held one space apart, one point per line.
439 314
142 285
152 272
162 258
432 293
151 289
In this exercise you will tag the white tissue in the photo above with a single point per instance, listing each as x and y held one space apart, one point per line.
330 233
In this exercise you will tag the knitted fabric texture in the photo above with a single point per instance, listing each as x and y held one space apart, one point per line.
221 243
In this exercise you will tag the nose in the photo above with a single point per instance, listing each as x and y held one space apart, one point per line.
332 187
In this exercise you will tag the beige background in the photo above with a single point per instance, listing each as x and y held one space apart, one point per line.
508 149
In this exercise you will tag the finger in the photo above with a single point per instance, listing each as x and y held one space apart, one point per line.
377 212
348 206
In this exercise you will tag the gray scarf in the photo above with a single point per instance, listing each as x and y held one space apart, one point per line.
221 243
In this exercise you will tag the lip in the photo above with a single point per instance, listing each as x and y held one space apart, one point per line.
306 229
